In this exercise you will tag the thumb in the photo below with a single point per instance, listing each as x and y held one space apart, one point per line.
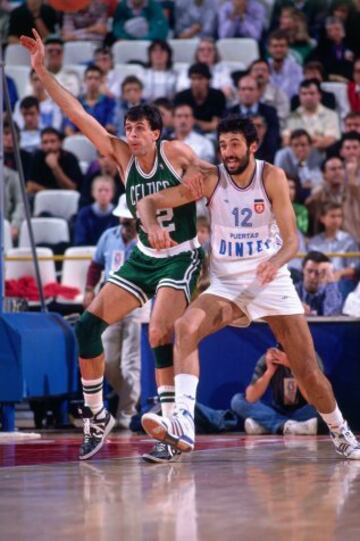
173 242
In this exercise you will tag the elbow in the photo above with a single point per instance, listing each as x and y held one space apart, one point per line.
249 395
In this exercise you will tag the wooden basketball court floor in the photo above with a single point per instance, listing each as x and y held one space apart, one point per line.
232 487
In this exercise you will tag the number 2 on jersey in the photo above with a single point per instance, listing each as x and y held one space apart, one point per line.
164 218
245 221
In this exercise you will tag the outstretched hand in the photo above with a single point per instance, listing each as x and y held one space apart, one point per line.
36 49
159 238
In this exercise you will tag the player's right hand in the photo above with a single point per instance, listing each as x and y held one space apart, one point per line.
194 180
36 48
159 238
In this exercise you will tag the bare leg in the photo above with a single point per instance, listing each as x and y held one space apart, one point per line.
294 335
206 315
170 304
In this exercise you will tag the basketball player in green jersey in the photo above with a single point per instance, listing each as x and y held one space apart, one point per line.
146 166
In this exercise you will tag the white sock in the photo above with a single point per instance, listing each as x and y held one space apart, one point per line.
334 420
185 392
93 393
167 400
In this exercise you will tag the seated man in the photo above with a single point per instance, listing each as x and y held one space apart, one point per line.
301 160
52 167
121 340
207 103
321 123
131 95
335 240
14 206
30 133
318 291
93 220
289 412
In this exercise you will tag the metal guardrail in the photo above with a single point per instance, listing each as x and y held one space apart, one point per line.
89 257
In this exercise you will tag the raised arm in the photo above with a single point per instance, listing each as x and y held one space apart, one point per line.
277 189
106 144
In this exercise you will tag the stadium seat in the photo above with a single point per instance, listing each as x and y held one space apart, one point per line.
184 49
235 66
244 50
78 52
340 91
79 69
20 74
46 231
59 203
74 272
126 51
83 149
16 55
18 269
8 243
124 70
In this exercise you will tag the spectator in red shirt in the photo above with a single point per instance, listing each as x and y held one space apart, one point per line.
354 88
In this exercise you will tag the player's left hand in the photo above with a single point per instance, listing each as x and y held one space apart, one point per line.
266 272
159 238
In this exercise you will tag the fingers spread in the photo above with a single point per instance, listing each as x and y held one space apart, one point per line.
37 35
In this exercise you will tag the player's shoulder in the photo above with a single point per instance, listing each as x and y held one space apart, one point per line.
271 171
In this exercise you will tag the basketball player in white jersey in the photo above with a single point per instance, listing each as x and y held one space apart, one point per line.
253 236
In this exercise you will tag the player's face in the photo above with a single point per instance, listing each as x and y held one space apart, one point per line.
140 136
234 152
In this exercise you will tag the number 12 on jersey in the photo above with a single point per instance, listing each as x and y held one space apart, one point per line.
242 217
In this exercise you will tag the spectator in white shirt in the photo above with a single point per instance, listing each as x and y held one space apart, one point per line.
321 123
50 113
159 78
54 59
269 93
207 53
184 131
103 59
30 135
301 160
285 72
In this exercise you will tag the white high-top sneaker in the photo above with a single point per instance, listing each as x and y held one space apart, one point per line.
345 443
177 430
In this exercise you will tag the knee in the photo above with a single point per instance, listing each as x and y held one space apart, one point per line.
185 329
88 332
309 376
159 335
237 402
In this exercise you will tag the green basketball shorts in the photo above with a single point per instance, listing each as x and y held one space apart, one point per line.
143 275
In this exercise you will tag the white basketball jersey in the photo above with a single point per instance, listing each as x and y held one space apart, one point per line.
243 226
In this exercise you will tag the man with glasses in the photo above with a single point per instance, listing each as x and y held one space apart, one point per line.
54 59
319 291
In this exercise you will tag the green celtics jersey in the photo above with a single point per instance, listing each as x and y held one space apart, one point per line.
180 222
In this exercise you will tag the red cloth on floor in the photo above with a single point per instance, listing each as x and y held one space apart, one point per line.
26 287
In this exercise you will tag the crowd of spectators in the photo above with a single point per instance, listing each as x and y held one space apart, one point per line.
302 93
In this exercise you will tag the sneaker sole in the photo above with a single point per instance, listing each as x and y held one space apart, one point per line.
159 432
150 459
108 429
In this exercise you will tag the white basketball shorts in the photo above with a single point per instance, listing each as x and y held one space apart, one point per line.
278 298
